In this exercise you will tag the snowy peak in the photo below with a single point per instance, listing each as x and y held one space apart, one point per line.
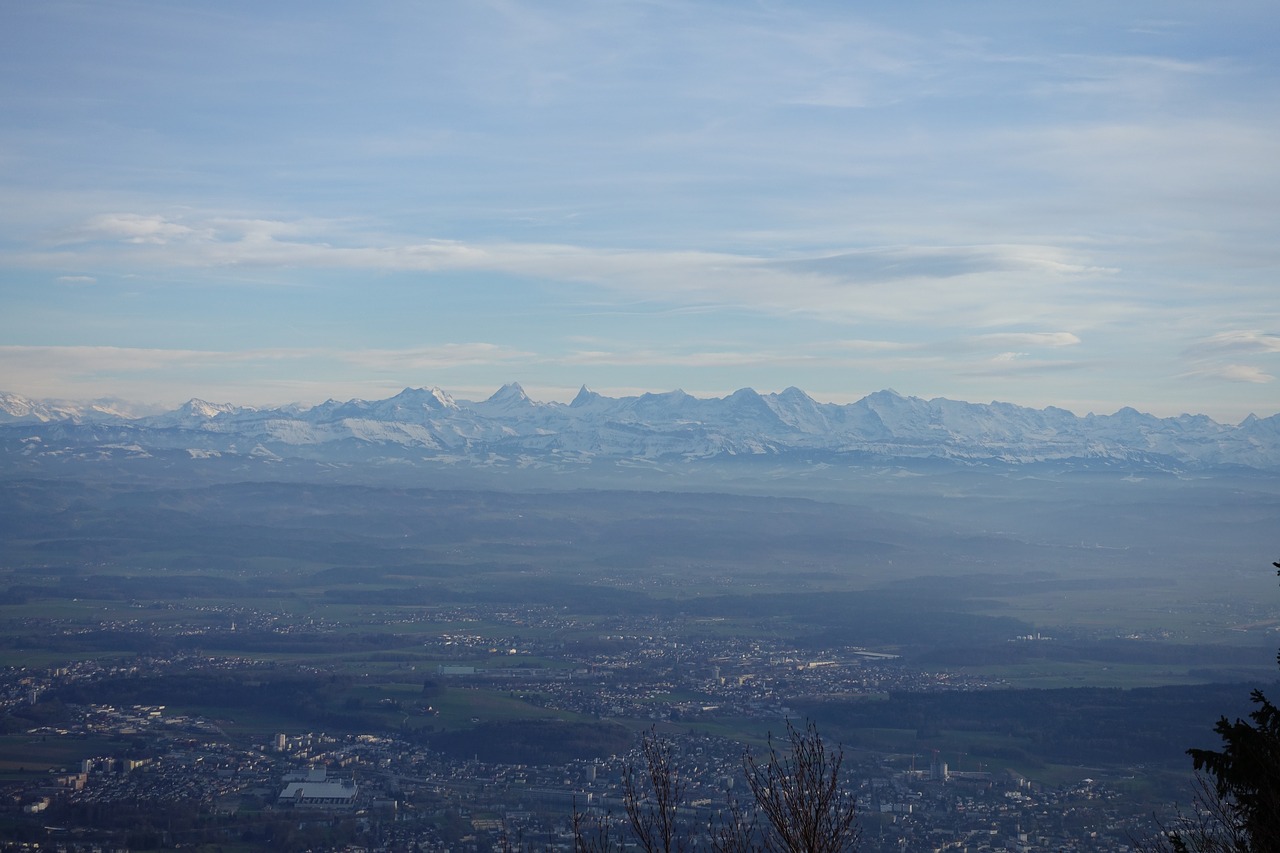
426 423
585 397
14 408
414 400
799 411
17 408
195 414
197 408
793 396
508 401
1130 415
510 394
412 405
745 397
674 405
747 409
888 399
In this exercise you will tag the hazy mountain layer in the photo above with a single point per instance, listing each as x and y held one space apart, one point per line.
427 425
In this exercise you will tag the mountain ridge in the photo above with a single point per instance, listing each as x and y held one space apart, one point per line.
427 424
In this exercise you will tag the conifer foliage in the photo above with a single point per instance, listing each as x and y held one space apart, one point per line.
1237 807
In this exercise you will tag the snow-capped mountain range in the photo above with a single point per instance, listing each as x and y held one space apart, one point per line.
426 425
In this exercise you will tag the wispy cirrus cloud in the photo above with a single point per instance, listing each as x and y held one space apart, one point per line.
627 357
1027 339
1213 356
135 228
1008 364
1237 341
433 358
873 346
975 356
1232 373
900 283
904 262
1138 78
91 359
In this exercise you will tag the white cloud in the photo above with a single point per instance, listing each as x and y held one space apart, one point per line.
1238 340
677 358
136 228
907 262
1141 79
1029 339
873 346
975 285
433 358
1233 373
102 359
76 279
1010 364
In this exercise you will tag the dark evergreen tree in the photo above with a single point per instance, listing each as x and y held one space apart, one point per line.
1237 805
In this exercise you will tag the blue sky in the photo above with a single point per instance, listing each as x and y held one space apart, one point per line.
1047 204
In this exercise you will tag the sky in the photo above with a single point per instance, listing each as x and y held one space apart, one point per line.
262 203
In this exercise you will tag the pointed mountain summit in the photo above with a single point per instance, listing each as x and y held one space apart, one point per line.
196 414
510 393
428 398
197 408
584 397
510 399
795 396
799 411
748 399
745 409
412 403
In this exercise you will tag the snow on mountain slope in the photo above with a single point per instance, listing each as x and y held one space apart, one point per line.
18 409
428 423
799 411
193 414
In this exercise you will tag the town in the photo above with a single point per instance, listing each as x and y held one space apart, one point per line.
181 776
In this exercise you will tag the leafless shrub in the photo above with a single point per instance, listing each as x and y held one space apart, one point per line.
799 792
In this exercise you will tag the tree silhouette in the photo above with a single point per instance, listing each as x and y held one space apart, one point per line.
651 796
797 791
1237 806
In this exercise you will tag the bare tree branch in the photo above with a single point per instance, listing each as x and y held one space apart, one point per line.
651 796
735 829
592 834
806 808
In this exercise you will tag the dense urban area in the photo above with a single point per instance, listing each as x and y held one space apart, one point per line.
165 777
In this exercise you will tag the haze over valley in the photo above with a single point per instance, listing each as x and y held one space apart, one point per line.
1039 598
580 390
